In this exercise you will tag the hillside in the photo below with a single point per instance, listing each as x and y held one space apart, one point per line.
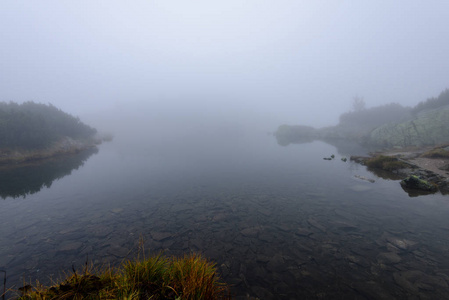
427 128
33 126
31 131
386 126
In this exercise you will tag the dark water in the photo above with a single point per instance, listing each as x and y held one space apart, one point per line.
280 222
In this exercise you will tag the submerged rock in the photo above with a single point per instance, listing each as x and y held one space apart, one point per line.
364 178
402 244
389 258
251 231
415 281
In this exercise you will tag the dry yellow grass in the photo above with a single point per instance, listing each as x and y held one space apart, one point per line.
156 277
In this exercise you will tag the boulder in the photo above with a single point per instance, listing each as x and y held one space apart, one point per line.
416 183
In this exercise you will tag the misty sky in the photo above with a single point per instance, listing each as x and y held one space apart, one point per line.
295 62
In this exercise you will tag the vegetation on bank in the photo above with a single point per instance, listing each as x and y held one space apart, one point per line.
35 126
387 163
437 152
432 103
156 277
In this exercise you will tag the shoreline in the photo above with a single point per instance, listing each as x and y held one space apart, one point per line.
430 169
66 146
413 156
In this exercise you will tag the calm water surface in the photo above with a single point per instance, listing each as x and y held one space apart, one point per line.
280 222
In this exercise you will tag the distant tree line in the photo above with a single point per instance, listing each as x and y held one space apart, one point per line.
432 103
375 116
33 125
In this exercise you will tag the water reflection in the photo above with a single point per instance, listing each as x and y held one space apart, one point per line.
280 223
351 148
20 181
344 146
387 175
283 141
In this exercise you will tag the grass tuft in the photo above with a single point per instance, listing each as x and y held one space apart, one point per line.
156 277
195 278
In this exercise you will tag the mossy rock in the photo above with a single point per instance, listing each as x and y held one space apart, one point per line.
416 183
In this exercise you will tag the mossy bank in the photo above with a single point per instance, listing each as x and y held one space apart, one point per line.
66 146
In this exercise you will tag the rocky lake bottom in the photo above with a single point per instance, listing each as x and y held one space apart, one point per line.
322 236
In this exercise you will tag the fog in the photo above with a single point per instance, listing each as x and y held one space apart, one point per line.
241 64
192 92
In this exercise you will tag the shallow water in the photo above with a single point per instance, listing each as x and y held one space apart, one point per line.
280 222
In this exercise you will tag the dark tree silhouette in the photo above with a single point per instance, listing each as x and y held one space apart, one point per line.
358 103
31 125
433 103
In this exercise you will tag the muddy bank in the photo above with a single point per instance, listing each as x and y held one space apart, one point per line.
434 170
14 157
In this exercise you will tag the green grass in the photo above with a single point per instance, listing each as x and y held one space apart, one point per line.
156 277
387 163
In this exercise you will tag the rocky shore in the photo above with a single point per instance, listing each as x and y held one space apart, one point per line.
65 146
433 170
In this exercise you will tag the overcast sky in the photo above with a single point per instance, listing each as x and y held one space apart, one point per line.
296 62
